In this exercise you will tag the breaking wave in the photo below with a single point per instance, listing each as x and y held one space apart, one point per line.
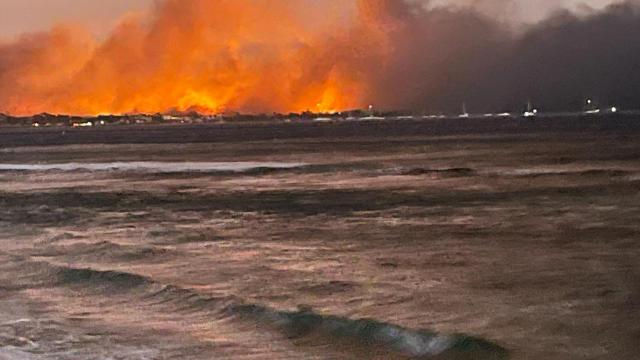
397 340
154 167
303 324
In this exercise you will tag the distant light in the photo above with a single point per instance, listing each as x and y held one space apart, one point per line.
36 125
535 111
589 101
370 107
101 122
83 124
614 109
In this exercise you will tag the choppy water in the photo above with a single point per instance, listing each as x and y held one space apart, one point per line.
420 248
153 166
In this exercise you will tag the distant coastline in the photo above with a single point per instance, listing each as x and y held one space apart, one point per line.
267 128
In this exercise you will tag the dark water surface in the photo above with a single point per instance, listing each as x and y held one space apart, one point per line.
456 247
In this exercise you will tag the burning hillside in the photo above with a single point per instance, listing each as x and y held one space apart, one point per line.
263 56
208 56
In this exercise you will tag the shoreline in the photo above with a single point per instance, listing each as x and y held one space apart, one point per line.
260 131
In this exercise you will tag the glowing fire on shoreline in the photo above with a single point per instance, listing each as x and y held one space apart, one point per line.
209 56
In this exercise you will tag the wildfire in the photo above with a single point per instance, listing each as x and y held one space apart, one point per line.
204 55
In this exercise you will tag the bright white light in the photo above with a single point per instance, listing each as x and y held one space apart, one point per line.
614 109
535 111
589 101
84 124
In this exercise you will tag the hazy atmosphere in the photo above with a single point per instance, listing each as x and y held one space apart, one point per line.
124 57
21 16
319 179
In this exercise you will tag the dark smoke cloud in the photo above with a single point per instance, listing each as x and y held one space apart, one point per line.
268 55
444 56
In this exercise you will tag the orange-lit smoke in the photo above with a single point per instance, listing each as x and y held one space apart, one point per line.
205 55
260 56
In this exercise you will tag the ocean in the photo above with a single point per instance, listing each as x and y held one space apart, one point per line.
457 246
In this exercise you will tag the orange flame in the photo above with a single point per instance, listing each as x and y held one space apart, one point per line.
206 55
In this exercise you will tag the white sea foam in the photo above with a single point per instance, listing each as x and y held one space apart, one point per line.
153 166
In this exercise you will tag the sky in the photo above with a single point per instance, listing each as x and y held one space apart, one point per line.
528 11
20 16
323 55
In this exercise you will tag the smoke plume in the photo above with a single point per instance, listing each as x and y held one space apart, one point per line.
280 56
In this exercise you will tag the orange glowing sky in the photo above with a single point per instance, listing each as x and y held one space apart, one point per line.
141 56
206 55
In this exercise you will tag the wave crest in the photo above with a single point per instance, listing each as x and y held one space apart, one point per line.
156 167
302 324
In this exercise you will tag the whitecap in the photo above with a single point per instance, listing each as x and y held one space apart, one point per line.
153 166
